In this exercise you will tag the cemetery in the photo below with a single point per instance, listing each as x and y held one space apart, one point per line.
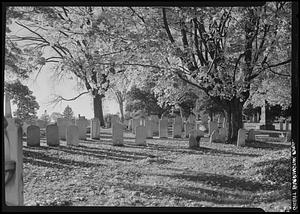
191 127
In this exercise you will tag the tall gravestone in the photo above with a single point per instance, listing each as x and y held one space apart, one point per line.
62 124
163 128
223 134
177 127
13 154
72 135
155 124
130 125
82 125
251 135
95 128
117 134
33 136
140 135
193 143
52 136
241 140
148 126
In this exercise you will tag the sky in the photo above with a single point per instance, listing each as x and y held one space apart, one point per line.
44 87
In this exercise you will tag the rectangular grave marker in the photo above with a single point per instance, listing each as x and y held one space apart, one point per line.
72 135
33 136
117 134
163 128
140 136
95 128
52 137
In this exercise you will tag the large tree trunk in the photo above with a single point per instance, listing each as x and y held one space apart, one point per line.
234 119
98 110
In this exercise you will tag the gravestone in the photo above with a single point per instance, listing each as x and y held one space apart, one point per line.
163 128
193 143
52 137
212 125
251 135
72 135
223 134
214 137
177 127
95 128
33 136
62 124
148 126
82 125
114 119
13 154
140 135
241 140
117 134
155 124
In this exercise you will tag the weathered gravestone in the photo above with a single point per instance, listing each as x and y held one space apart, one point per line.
82 125
212 125
95 128
52 137
114 119
241 140
155 124
280 125
177 127
72 135
163 128
193 143
223 132
62 124
148 126
140 135
13 153
33 136
251 135
214 137
117 134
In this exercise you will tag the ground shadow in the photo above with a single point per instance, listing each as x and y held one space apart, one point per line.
224 181
185 150
38 157
188 193
266 145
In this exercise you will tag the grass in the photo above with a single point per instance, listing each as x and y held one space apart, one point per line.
165 173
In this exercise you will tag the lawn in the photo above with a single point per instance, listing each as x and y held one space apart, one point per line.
165 173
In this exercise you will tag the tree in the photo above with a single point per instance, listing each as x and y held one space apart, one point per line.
80 41
144 100
68 113
221 51
27 105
